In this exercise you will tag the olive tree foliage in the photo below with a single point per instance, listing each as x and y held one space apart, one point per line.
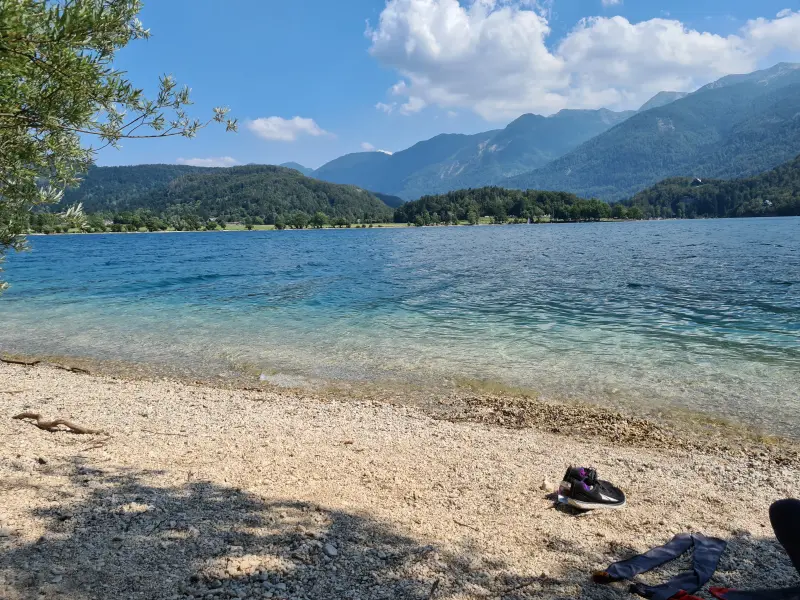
61 100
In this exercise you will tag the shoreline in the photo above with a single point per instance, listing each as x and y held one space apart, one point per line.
200 491
462 400
375 226
393 225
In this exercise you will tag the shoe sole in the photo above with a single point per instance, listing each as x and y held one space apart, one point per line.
595 505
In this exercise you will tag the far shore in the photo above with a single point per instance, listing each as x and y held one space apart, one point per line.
192 490
237 227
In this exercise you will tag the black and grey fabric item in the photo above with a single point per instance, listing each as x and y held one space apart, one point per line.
785 518
707 552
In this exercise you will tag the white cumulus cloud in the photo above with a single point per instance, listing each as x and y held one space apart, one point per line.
213 161
608 3
284 130
493 56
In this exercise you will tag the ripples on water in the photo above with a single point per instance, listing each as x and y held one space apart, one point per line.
702 315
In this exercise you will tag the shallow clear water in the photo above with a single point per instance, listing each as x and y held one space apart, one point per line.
701 315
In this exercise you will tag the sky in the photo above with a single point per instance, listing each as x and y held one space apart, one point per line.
311 80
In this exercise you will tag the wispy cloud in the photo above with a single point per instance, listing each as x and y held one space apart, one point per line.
284 130
213 161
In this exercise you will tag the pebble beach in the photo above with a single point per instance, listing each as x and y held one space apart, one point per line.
202 491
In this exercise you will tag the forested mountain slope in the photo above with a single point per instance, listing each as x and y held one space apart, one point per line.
736 127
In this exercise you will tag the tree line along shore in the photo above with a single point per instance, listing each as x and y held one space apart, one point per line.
268 197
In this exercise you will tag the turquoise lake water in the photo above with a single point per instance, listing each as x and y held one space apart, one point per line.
699 315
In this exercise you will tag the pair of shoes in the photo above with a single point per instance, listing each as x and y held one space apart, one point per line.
582 489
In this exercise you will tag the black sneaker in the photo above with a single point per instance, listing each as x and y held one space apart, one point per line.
599 495
581 474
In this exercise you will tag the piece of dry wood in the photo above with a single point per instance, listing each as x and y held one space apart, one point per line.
165 433
72 369
55 424
14 361
520 586
467 525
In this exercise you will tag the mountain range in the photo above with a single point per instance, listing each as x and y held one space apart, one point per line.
737 126
452 161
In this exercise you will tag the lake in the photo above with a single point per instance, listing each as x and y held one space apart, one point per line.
672 315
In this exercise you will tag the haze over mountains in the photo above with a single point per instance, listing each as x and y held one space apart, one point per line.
738 126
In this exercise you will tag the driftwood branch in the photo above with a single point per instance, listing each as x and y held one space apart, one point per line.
72 369
26 363
54 425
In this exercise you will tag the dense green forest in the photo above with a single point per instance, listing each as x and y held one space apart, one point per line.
503 205
774 193
159 199
117 188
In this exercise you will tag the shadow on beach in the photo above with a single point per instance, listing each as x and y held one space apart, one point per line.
126 539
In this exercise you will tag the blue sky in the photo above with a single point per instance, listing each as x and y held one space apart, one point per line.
384 75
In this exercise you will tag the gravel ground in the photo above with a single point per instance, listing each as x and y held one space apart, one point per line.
204 492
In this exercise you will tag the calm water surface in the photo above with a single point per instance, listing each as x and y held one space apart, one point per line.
700 315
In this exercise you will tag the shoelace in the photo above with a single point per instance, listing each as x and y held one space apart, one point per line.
590 476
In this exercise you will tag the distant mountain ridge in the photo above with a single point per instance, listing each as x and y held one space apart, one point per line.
450 161
662 99
738 126
298 167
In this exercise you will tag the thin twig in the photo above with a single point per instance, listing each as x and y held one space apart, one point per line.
165 433
434 587
515 588
467 525
11 391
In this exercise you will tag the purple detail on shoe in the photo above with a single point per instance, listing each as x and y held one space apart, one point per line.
582 472
586 488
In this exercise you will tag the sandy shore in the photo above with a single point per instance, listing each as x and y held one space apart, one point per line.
203 492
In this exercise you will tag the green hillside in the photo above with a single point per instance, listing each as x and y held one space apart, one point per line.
250 194
736 127
263 191
114 188
774 193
